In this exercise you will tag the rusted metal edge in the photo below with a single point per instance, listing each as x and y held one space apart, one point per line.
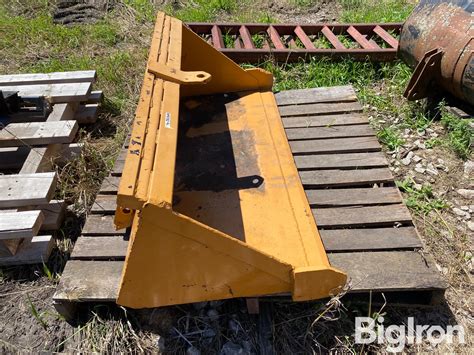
253 43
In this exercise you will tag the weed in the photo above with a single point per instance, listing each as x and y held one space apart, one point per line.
225 5
39 316
266 18
322 42
258 40
48 272
390 137
433 142
420 197
460 134
228 40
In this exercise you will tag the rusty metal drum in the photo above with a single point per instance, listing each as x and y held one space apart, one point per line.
438 39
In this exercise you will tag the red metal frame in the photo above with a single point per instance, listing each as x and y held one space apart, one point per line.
290 43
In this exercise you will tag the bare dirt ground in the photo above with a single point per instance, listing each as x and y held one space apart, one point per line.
29 322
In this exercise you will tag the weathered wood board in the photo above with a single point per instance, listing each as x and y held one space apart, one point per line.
26 190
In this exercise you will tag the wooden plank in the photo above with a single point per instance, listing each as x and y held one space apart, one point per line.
336 161
41 159
101 225
353 197
53 214
88 76
408 271
14 225
78 283
339 145
95 97
324 120
63 112
104 204
55 93
87 114
38 133
12 158
110 185
340 240
361 216
402 271
330 178
35 252
316 95
119 163
330 132
320 109
100 248
25 190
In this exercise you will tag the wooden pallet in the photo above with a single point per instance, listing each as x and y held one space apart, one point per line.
367 230
29 146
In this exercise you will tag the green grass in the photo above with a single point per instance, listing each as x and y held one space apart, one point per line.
460 134
390 137
214 10
420 198
375 10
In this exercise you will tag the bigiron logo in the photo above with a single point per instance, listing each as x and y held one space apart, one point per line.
369 331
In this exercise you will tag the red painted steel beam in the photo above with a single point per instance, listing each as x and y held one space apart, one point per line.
280 44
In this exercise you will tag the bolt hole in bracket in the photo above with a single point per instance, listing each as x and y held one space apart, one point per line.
164 72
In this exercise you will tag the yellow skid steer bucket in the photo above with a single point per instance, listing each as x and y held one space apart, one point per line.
210 188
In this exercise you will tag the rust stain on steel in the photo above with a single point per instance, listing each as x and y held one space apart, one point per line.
445 27
290 43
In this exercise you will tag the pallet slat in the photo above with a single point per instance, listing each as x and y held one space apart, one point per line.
320 108
408 271
341 240
337 145
56 93
80 284
100 248
104 204
16 225
324 120
36 251
110 185
316 95
101 225
353 197
26 190
331 178
361 216
329 132
335 161
38 133
87 114
88 76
